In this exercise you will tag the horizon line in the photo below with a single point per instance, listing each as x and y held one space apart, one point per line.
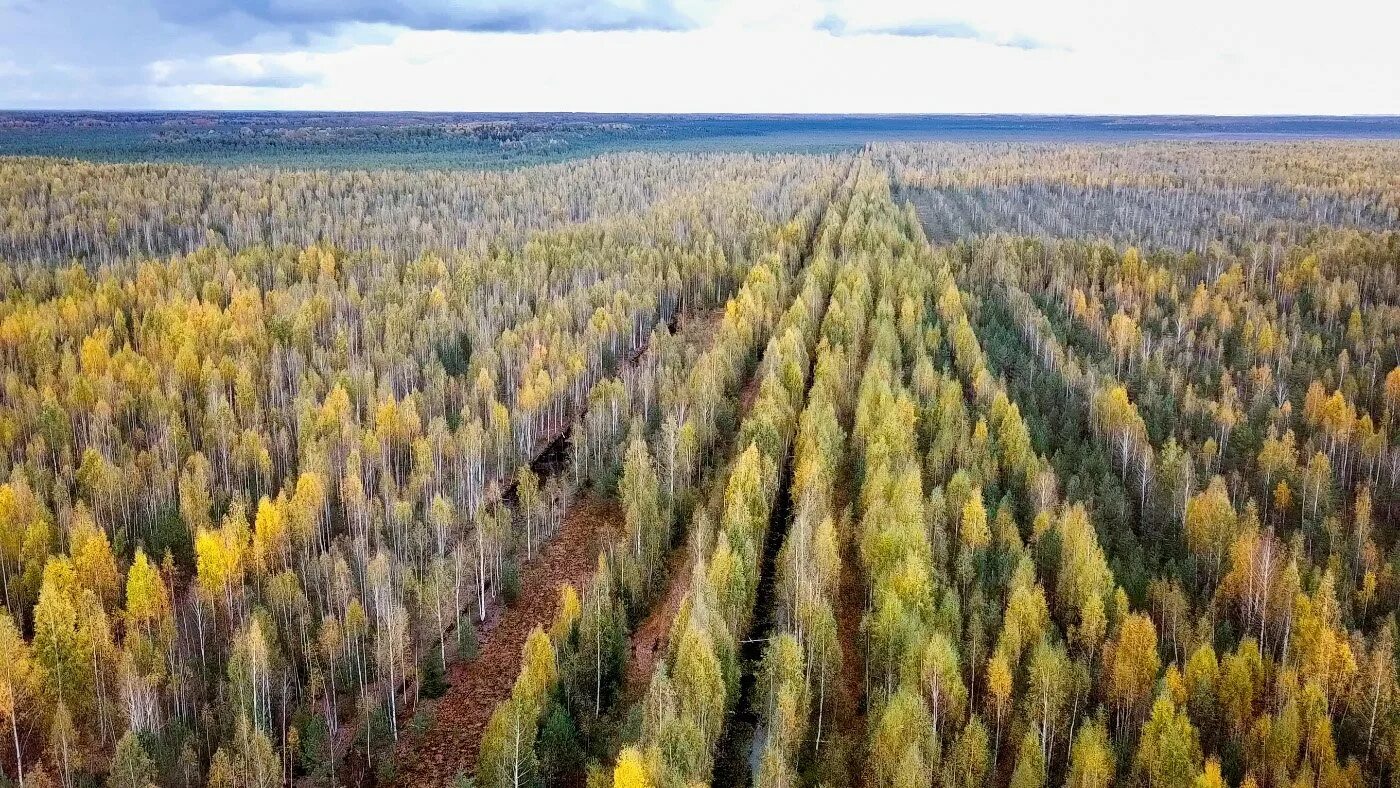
720 113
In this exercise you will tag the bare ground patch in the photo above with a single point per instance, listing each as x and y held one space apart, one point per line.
451 743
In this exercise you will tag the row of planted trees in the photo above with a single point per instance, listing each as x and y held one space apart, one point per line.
1173 194
989 657
962 653
546 728
698 684
802 716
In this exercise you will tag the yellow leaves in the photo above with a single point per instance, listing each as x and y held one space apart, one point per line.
147 599
195 501
1093 623
187 366
631 771
335 409
1169 752
356 619
826 551
999 681
318 260
537 670
16 668
698 679
950 305
901 743
1241 684
567 615
1134 662
1210 521
1211 777
93 355
1278 455
1079 304
304 510
93 560
724 578
386 419
1084 578
1392 390
269 534
1091 761
1265 341
911 583
1131 268
1319 645
220 555
1123 335
62 646
1027 616
973 530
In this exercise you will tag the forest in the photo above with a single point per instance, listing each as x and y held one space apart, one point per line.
1056 464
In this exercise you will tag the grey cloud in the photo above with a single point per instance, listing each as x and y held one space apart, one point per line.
490 16
960 30
1026 42
951 29
831 23
100 53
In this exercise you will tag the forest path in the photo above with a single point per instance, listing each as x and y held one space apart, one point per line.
848 708
648 640
452 741
650 637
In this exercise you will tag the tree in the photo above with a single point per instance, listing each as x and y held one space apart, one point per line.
631 770
131 766
508 745
93 561
902 731
1030 764
973 530
1211 777
1133 668
999 687
942 681
1201 678
1091 759
1169 753
1241 682
61 649
527 490
1210 524
147 599
970 763
17 682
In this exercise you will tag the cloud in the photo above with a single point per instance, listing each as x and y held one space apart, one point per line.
951 29
482 16
1088 56
247 71
1026 42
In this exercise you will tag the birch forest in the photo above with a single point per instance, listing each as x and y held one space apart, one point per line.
938 464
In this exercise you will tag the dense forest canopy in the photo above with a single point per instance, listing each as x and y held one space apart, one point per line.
949 463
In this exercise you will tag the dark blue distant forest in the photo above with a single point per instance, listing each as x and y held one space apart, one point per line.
486 140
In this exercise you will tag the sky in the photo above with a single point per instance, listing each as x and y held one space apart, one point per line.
1230 57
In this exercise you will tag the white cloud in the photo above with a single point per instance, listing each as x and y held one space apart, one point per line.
246 70
1091 56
